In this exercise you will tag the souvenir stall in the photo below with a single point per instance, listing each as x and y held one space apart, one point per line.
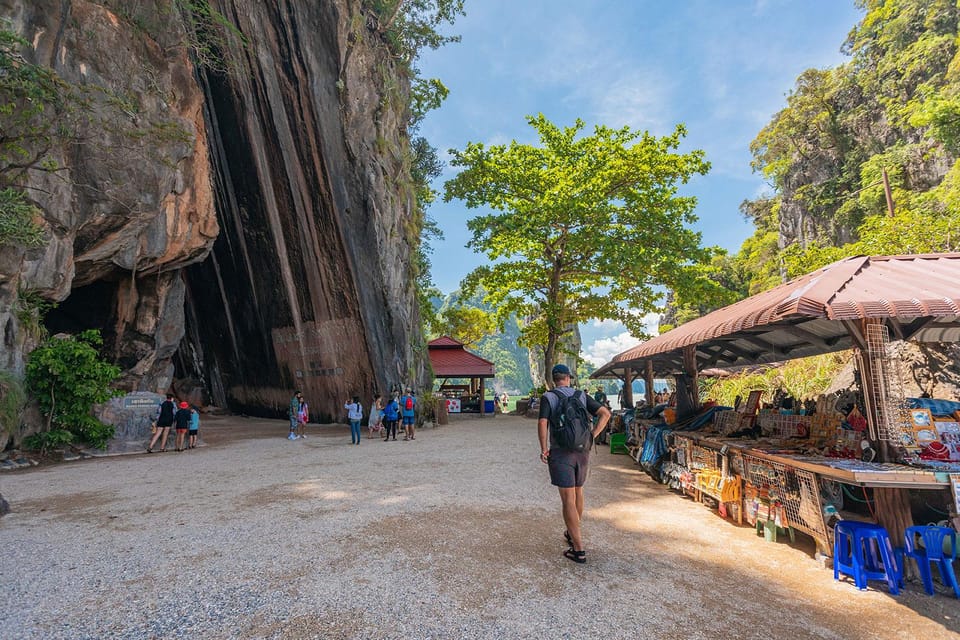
774 470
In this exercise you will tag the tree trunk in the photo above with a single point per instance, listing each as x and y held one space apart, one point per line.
549 358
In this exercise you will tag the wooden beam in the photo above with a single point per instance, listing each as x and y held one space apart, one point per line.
483 399
910 329
690 368
803 334
856 333
763 345
740 352
648 381
716 356
628 386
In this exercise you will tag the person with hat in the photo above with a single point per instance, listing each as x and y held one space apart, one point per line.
568 467
182 420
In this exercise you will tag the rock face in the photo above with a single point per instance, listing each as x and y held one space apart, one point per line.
284 182
309 285
133 203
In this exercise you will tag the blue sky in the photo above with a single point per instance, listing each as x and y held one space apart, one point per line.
721 67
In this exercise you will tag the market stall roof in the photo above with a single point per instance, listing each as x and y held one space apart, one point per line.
450 359
916 296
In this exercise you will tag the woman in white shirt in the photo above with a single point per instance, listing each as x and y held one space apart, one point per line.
355 416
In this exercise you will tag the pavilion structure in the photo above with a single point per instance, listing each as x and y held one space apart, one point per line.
451 361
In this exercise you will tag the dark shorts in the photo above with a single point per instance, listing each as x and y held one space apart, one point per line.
194 432
160 425
407 419
568 468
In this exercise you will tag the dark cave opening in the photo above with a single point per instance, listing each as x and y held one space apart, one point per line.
88 307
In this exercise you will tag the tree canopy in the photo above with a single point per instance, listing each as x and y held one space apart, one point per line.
894 108
582 227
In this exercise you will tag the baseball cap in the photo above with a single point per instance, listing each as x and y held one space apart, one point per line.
561 370
184 405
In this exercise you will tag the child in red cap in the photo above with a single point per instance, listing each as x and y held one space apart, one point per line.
182 421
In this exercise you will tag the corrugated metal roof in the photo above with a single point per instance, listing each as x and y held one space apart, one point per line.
450 360
445 341
802 317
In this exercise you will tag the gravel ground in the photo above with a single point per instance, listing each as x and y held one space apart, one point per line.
454 535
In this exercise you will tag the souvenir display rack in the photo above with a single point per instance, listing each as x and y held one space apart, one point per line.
796 490
763 481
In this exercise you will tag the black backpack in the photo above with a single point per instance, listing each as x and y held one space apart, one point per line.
570 425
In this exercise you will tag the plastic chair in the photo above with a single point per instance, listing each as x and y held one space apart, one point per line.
618 443
863 550
932 553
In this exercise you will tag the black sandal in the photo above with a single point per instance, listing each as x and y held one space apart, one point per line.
580 557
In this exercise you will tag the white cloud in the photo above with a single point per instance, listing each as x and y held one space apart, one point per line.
607 324
602 351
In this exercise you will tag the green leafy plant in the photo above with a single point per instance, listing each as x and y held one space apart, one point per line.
18 224
30 308
12 399
48 440
68 376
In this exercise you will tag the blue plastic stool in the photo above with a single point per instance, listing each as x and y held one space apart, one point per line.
932 553
863 551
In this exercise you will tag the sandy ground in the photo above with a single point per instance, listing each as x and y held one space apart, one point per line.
454 535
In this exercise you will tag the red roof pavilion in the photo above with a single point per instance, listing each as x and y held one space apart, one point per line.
451 360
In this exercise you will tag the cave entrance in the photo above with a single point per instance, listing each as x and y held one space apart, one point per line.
88 307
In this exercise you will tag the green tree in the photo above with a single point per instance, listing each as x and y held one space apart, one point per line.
466 323
582 227
892 112
411 25
68 376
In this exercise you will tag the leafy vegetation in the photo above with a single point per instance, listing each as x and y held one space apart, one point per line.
802 378
583 227
18 224
68 376
412 25
892 112
45 441
12 400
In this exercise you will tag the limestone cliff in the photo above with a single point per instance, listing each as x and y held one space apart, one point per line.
285 185
132 201
309 285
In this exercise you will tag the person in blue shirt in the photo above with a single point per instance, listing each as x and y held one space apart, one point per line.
194 430
408 404
391 413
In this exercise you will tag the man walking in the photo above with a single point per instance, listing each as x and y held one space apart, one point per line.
563 414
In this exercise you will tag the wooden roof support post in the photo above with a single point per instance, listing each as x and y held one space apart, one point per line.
648 381
627 388
483 398
690 368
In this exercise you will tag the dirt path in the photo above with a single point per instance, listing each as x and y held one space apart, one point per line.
454 535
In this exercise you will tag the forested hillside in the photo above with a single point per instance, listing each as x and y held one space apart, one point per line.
894 108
